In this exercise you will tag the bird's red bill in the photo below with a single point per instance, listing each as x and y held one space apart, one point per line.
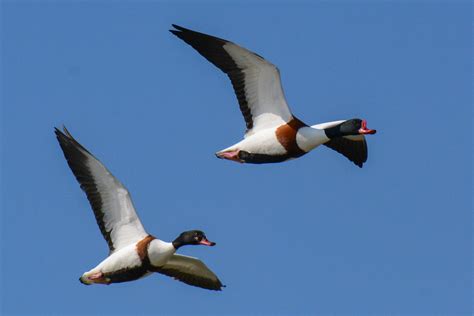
364 130
206 242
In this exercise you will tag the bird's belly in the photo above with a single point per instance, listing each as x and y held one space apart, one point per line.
263 143
121 266
268 147
125 258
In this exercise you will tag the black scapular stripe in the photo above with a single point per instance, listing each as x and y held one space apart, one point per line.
77 161
212 48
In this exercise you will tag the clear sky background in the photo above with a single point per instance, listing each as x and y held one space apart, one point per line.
316 235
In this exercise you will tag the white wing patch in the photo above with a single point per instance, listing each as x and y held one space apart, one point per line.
120 218
263 89
109 199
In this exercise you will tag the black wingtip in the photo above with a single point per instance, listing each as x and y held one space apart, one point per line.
175 33
59 130
59 134
181 32
180 28
65 137
62 133
66 131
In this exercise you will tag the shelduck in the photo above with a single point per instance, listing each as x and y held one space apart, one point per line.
273 133
133 252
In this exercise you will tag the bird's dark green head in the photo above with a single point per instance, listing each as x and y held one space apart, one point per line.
192 237
350 127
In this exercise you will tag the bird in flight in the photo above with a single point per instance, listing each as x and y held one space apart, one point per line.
273 133
133 253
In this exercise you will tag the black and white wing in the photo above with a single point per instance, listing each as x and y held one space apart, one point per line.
353 147
191 271
109 199
256 82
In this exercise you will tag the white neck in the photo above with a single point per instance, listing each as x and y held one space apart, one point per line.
160 251
311 137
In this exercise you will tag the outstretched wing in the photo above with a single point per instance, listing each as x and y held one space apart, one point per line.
256 82
109 199
191 271
353 147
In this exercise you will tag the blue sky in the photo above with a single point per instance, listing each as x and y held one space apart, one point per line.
315 236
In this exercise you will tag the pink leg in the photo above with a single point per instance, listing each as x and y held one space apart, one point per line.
230 155
95 276
98 278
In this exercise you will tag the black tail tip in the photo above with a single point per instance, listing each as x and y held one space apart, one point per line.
80 280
